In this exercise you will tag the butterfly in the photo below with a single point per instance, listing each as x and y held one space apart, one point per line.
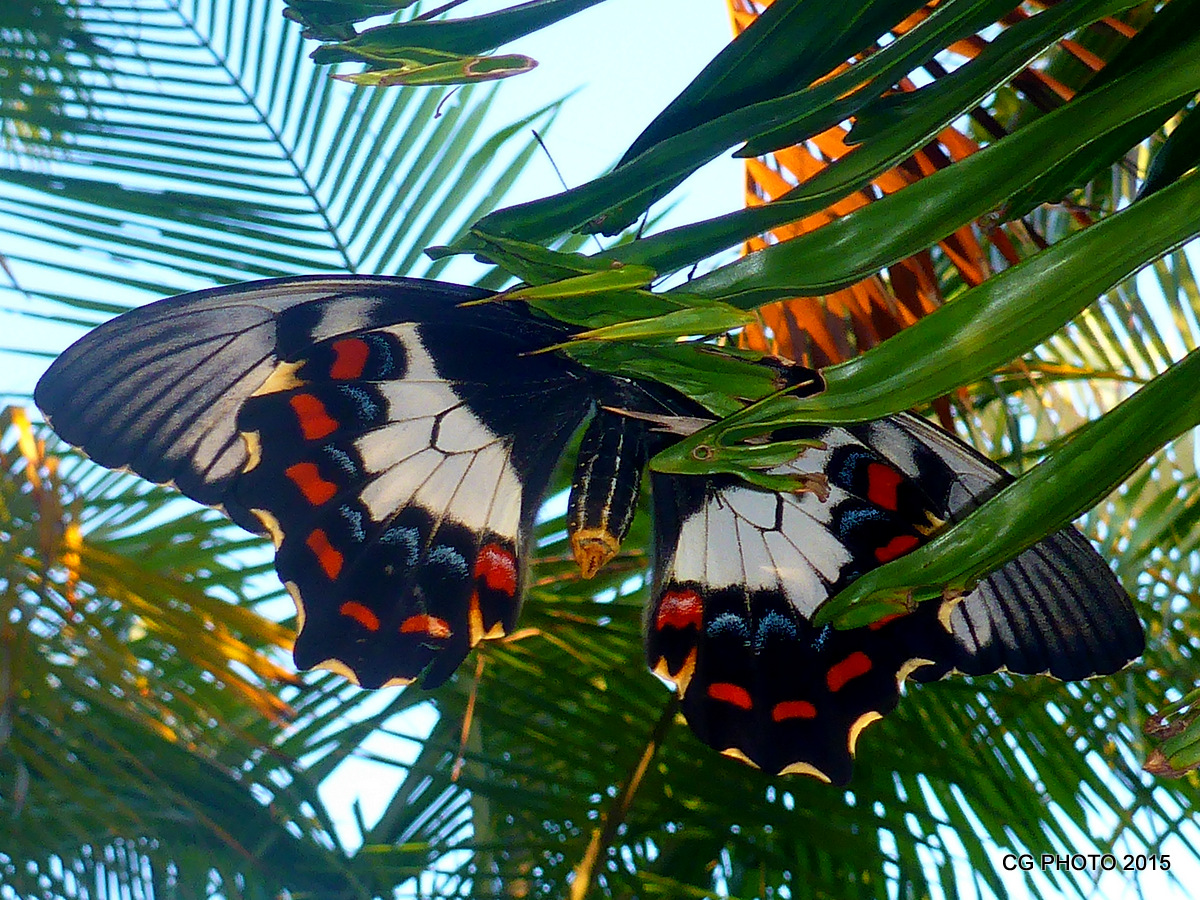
395 445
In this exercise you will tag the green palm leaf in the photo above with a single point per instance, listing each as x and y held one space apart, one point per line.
224 155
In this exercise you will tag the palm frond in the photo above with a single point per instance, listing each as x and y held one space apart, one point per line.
150 742
558 764
221 154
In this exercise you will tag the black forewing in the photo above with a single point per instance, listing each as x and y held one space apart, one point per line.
289 402
157 390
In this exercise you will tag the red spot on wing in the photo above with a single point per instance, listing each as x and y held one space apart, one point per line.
680 609
882 484
426 624
876 625
329 558
351 358
352 609
498 568
793 709
316 490
897 546
854 665
731 693
315 422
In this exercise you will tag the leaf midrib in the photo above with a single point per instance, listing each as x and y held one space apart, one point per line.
308 189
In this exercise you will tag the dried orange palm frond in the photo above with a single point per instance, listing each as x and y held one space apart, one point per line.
821 330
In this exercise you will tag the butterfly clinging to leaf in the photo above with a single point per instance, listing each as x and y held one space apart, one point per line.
395 446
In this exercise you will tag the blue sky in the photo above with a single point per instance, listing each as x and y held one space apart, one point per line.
625 59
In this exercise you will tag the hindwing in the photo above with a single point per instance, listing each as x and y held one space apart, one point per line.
741 571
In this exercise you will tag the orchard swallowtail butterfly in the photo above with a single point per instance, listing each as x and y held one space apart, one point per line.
395 446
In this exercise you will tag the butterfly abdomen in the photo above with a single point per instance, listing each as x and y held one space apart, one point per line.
605 487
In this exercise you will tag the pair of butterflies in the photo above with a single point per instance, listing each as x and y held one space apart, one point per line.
395 445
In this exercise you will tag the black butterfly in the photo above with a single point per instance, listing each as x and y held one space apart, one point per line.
395 446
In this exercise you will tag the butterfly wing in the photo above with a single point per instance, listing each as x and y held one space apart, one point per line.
379 433
1055 609
741 571
395 447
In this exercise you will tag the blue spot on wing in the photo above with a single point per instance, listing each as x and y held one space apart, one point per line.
343 460
354 520
365 406
450 560
774 626
407 539
729 624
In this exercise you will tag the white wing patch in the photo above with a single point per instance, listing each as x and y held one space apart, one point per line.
797 578
723 553
756 507
504 517
491 476
688 561
419 365
460 432
431 398
759 540
436 453
760 570
391 489
441 487
804 524
382 448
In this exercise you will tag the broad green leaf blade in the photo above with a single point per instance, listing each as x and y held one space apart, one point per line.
678 324
861 243
792 44
611 202
415 70
1179 154
967 339
717 380
887 131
